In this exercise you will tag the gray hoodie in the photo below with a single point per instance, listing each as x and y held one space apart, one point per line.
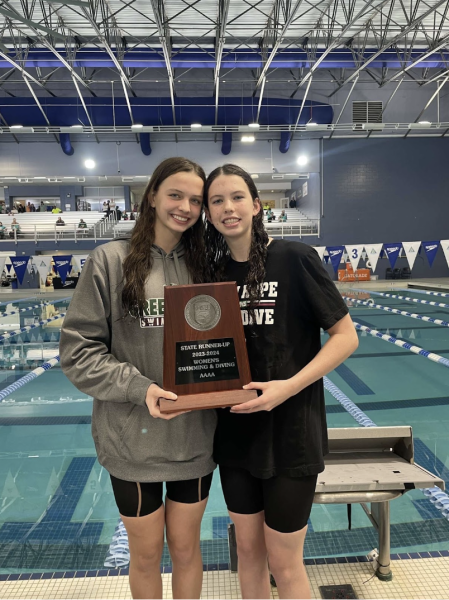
115 360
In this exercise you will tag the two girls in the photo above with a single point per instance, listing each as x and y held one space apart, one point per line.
270 450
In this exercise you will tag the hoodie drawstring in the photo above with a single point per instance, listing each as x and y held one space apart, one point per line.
177 268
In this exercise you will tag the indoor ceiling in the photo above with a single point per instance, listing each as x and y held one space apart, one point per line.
107 66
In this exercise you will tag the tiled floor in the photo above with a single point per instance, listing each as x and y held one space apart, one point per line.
420 578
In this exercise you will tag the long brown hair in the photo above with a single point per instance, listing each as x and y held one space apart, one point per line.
137 265
217 250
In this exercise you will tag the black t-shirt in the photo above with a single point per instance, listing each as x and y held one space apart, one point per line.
298 299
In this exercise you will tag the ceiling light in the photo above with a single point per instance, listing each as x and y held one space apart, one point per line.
9 178
255 176
15 126
69 177
302 160
196 125
373 126
76 126
137 126
254 125
89 164
248 138
420 125
316 126
39 178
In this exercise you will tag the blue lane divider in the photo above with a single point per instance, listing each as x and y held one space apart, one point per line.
396 311
21 310
6 336
403 344
438 498
348 404
413 290
46 366
416 300
17 300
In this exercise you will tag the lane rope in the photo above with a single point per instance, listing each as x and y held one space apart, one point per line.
396 311
403 344
21 310
416 300
7 336
37 372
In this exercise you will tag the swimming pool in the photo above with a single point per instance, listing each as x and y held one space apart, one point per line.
57 510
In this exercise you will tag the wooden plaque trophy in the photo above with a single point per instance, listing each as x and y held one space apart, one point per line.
205 358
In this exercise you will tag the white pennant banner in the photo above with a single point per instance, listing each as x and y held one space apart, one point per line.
43 266
320 250
78 261
354 254
445 246
2 264
411 251
373 252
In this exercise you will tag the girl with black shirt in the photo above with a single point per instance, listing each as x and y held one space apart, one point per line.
270 450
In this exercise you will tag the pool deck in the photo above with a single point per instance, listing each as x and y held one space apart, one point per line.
419 578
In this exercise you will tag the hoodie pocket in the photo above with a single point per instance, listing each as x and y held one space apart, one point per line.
139 437
128 426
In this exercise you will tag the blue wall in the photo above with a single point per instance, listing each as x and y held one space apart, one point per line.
387 191
309 204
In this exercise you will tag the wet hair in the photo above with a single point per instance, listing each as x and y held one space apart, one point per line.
217 250
137 265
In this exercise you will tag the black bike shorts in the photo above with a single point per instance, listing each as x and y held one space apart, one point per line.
136 499
286 501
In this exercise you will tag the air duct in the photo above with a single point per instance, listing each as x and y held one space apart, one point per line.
285 142
66 144
226 142
145 145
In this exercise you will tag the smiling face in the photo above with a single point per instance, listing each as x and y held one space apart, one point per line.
231 207
178 202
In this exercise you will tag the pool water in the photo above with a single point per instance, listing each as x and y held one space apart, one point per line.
57 510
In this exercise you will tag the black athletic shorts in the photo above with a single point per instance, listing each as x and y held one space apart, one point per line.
136 499
287 501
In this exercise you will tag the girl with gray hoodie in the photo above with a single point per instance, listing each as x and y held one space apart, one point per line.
112 349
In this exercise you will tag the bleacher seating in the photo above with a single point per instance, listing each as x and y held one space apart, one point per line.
42 225
123 227
297 223
292 214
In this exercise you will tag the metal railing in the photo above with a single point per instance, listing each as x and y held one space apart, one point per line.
300 228
109 228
